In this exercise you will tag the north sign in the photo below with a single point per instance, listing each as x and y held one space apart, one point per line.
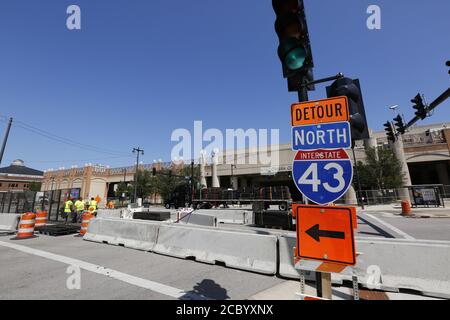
322 136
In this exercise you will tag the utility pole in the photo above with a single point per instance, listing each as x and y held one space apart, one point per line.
5 139
138 152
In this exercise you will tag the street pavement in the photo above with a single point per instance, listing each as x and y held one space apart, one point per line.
39 268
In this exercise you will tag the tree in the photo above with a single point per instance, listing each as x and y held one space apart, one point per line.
123 188
35 186
381 170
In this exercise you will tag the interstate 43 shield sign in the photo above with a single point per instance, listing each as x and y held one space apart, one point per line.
322 176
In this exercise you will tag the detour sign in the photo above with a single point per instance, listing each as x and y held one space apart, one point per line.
326 233
321 111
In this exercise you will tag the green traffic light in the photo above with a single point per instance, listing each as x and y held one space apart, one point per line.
293 54
295 59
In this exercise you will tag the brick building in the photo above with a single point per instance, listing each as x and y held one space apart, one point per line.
18 177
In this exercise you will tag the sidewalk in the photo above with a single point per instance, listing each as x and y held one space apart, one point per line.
288 291
396 209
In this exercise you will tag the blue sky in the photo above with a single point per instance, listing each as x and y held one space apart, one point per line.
140 69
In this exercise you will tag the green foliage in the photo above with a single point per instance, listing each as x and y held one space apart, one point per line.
381 170
35 186
124 188
164 183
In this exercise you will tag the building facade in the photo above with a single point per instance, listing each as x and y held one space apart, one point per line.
427 150
17 177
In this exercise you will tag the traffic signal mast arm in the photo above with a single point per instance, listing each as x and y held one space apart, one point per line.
430 108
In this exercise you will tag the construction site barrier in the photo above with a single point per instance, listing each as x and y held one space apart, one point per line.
87 217
26 226
388 264
229 216
9 222
199 219
245 251
139 235
109 213
41 218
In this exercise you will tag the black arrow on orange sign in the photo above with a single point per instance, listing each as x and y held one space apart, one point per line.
316 233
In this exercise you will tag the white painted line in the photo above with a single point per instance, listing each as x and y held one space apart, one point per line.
136 281
387 225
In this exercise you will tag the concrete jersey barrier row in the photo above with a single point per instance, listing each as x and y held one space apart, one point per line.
9 222
246 251
401 264
230 216
140 235
243 251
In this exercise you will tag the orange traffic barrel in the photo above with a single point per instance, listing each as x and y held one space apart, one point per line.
406 208
41 219
26 226
87 216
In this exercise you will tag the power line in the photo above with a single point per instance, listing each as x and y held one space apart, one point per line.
67 141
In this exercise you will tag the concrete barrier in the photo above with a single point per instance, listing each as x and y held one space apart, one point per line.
246 251
388 264
230 216
140 235
199 219
9 222
109 213
286 268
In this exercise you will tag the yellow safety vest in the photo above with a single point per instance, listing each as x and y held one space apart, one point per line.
93 203
68 207
79 205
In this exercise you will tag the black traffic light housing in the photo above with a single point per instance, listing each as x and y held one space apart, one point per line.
399 124
294 49
419 106
154 172
448 65
390 131
352 90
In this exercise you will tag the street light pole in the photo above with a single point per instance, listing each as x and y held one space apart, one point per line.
138 152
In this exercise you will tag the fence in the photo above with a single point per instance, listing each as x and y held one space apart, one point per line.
29 201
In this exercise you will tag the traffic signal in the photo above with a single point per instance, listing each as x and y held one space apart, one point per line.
390 131
399 124
352 90
294 49
154 172
419 106
448 65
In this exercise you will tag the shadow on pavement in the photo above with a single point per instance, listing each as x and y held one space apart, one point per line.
207 289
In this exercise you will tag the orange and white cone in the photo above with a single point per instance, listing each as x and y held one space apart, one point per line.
41 219
87 216
26 226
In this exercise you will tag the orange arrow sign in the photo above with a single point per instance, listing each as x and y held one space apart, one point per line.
326 233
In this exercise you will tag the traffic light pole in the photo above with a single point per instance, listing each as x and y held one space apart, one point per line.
359 197
431 107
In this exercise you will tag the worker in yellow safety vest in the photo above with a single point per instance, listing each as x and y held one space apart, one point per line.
79 205
93 204
68 209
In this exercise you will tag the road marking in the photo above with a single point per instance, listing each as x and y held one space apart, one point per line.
390 226
110 273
